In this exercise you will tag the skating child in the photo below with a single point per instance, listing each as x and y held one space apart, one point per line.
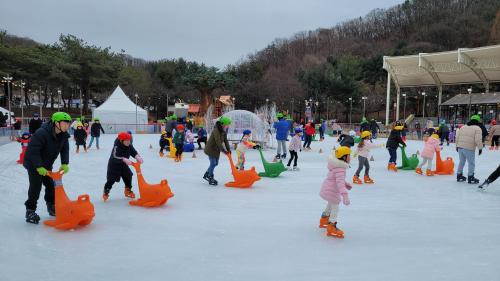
430 147
333 189
363 152
494 135
95 132
491 178
80 136
189 136
202 136
178 141
117 165
294 147
24 141
163 142
346 140
47 143
216 144
310 132
242 147
392 145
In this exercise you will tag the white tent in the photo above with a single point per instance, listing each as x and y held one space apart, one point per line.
119 113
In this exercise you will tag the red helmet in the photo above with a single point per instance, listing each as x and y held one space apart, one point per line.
493 122
180 127
124 136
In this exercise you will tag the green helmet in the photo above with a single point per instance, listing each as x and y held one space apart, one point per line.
226 121
173 117
96 119
78 119
279 115
201 126
61 116
475 117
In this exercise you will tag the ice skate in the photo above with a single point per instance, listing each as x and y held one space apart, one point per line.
418 171
392 167
429 173
105 195
461 178
295 169
368 180
32 217
484 184
472 180
129 193
332 230
323 221
356 180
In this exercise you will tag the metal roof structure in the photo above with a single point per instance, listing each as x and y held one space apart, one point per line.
462 66
464 99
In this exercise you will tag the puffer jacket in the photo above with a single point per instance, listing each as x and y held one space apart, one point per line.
334 187
365 150
430 146
469 137
217 142
295 143
494 130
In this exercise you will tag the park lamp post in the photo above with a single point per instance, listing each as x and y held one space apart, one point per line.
350 112
470 101
59 92
8 80
423 107
136 121
364 105
404 106
22 101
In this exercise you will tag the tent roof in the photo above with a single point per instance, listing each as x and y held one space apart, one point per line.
119 102
484 98
463 66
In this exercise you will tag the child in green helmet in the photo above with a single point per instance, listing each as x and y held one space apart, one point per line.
46 144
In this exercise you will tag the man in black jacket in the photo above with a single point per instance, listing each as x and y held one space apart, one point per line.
35 123
95 132
44 148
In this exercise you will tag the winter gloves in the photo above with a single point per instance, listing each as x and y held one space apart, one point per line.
64 168
42 171
126 161
139 159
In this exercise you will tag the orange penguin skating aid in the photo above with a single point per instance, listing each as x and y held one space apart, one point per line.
150 195
445 167
69 214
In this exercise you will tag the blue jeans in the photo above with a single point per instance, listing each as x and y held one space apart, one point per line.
213 163
470 157
393 155
96 141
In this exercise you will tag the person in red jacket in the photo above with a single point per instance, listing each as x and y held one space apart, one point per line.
24 140
310 132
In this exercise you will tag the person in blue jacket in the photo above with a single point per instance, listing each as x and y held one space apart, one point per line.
281 127
322 129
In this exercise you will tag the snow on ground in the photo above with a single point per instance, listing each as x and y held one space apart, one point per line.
404 227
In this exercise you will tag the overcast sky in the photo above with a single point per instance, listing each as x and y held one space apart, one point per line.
217 32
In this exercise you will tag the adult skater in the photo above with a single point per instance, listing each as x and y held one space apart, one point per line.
491 178
46 144
216 144
468 138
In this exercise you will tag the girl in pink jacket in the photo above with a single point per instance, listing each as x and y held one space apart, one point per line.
334 189
430 147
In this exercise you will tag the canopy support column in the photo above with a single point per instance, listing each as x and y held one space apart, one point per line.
398 92
388 99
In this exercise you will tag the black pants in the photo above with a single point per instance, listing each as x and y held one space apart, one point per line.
321 134
445 136
180 148
494 175
201 140
495 141
36 186
84 146
126 180
308 141
294 157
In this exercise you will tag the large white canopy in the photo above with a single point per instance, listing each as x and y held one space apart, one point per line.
119 110
463 66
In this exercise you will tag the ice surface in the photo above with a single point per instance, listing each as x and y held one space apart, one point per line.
404 227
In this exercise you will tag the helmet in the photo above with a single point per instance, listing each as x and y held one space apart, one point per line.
298 130
475 117
179 127
226 121
435 136
201 126
96 119
79 124
26 134
493 122
398 128
163 132
129 132
173 117
366 134
342 151
36 115
78 119
61 116
124 136
247 132
279 115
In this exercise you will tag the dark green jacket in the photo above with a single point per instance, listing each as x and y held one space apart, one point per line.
178 138
217 142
